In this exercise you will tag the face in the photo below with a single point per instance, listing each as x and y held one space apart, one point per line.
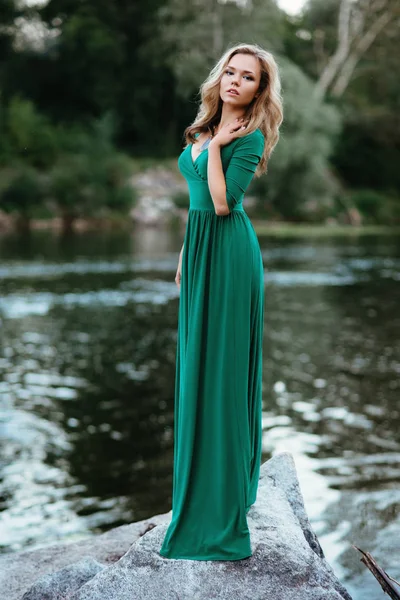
241 74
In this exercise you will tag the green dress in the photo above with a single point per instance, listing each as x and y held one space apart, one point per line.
218 383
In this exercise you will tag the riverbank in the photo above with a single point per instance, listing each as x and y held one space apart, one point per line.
262 227
267 228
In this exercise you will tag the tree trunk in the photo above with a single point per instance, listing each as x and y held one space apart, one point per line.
343 45
364 43
358 27
68 220
23 223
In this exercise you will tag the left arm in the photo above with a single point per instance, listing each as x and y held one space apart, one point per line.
227 190
216 180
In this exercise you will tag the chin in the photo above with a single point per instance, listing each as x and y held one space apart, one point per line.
233 100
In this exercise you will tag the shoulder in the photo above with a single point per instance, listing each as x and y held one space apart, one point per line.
253 141
255 137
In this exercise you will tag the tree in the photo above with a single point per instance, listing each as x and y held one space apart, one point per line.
30 135
23 196
361 72
90 178
299 172
359 24
194 34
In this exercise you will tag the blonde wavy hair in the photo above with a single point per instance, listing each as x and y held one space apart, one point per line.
264 112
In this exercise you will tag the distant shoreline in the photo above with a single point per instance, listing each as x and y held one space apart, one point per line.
305 229
262 227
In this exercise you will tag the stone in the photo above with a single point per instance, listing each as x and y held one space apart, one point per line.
155 188
287 562
63 583
18 570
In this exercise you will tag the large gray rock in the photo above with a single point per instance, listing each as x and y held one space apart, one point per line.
64 582
19 570
155 188
287 560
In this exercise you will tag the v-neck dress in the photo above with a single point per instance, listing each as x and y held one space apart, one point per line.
218 383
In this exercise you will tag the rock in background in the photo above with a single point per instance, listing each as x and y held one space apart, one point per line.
124 564
155 188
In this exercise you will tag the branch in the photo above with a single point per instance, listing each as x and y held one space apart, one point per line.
319 50
382 577
362 46
331 69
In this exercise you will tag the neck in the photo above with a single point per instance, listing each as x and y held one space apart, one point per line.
230 113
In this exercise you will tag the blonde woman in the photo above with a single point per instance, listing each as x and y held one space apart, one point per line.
218 385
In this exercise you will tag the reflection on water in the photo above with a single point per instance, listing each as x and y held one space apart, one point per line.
87 366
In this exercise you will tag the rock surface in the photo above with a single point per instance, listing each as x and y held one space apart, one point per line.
68 580
156 188
124 564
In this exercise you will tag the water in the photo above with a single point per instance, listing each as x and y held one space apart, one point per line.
87 366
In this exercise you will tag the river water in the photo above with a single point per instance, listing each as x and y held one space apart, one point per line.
87 367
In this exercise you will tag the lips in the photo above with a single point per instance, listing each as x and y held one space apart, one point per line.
233 91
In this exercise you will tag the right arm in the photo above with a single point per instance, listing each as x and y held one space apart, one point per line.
178 271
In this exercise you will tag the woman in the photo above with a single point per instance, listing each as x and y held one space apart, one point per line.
218 386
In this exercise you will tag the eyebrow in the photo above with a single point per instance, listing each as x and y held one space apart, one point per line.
229 67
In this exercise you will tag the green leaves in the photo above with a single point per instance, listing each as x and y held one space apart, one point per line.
25 192
299 167
30 134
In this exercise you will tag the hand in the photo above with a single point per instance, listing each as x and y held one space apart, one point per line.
229 132
178 276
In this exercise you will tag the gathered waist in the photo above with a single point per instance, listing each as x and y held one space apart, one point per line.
237 208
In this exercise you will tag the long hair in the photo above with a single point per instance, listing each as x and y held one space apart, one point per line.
264 112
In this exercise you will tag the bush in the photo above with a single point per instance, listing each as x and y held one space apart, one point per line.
181 199
375 207
24 194
30 136
298 176
91 184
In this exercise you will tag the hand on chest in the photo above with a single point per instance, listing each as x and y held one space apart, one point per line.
198 156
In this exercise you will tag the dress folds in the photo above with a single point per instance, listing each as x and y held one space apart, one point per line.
218 382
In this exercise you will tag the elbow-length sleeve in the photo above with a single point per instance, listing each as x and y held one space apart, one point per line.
243 163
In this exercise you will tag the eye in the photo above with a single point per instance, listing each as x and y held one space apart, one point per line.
229 72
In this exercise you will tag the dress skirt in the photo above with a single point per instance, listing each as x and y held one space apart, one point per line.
218 381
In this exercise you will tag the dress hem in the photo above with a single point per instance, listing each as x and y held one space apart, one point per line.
203 558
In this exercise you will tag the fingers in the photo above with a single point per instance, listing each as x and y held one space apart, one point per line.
239 124
239 129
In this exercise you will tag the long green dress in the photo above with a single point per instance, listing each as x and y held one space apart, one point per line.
218 385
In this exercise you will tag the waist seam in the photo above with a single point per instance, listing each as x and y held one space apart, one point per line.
213 211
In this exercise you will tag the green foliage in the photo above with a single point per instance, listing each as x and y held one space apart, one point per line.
89 185
92 177
299 167
87 175
193 39
30 135
376 208
25 192
181 199
367 152
8 14
105 76
109 56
